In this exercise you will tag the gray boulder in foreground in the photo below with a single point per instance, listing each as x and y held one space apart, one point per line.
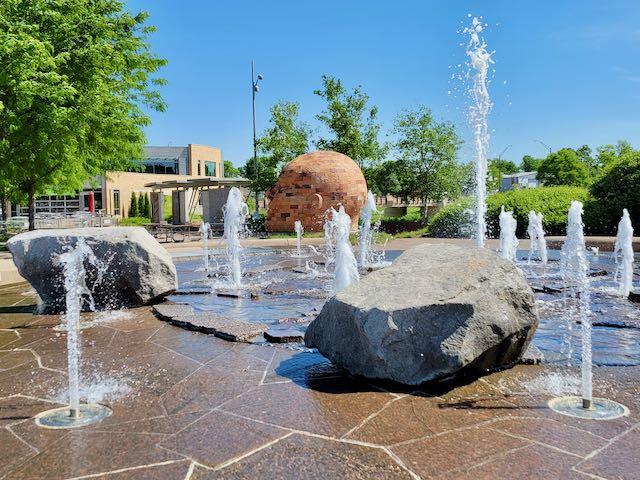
138 269
438 311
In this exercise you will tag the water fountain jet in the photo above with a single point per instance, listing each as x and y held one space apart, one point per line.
77 293
508 240
235 214
479 61
205 230
536 235
346 266
624 255
575 267
299 229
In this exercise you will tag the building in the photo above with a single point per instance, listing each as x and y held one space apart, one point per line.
515 181
111 193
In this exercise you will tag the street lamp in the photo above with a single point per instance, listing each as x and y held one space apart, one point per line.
502 153
254 90
544 145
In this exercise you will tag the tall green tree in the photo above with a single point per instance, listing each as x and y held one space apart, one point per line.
76 79
133 205
230 170
564 167
530 164
428 150
352 125
286 138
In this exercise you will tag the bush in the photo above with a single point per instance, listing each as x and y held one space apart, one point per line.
453 221
255 226
617 187
458 219
553 202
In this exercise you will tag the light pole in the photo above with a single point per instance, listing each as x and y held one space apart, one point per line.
254 90
544 145
502 153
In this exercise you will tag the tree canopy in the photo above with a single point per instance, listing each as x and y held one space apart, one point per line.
564 167
230 170
76 77
427 151
351 123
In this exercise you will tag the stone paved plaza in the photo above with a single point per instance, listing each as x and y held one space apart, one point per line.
191 406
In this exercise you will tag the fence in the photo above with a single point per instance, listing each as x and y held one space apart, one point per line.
15 225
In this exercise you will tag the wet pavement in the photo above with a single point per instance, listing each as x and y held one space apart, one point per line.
187 405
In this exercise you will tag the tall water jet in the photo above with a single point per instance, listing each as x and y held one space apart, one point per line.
536 235
366 237
77 293
624 254
299 229
205 230
329 234
235 214
574 267
479 61
346 266
508 239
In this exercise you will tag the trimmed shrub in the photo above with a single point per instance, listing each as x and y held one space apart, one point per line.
617 187
454 220
553 202
133 206
458 219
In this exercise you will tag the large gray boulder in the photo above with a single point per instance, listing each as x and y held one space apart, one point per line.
138 270
439 311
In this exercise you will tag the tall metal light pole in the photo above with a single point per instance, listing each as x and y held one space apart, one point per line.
254 90
544 145
503 151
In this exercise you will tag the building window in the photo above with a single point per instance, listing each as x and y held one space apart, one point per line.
162 166
116 202
210 169
199 170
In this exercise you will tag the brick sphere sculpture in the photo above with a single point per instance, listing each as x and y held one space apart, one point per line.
309 185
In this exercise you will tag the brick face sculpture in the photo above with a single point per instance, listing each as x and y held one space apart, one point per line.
309 185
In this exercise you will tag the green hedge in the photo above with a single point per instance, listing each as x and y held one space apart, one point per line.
617 187
458 219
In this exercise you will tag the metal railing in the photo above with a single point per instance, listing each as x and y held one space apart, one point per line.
18 224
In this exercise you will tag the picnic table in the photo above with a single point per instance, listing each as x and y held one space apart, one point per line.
169 231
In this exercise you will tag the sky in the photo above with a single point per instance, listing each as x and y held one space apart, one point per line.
566 73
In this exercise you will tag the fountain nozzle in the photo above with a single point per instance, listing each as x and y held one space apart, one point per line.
587 404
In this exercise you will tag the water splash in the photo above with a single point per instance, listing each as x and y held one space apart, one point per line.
508 239
479 61
574 267
299 229
536 234
235 214
367 256
205 231
77 293
329 234
346 266
623 252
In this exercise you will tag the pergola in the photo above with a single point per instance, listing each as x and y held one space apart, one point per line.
196 186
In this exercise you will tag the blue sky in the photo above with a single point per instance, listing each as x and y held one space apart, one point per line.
566 72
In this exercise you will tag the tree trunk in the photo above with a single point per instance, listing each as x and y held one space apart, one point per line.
425 212
32 207
4 199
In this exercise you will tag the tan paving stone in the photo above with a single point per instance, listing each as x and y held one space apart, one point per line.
443 453
84 452
305 458
328 407
620 459
234 437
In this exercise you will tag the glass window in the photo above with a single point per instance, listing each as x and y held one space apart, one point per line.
210 169
199 171
116 202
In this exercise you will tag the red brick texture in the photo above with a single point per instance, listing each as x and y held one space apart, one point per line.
311 184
